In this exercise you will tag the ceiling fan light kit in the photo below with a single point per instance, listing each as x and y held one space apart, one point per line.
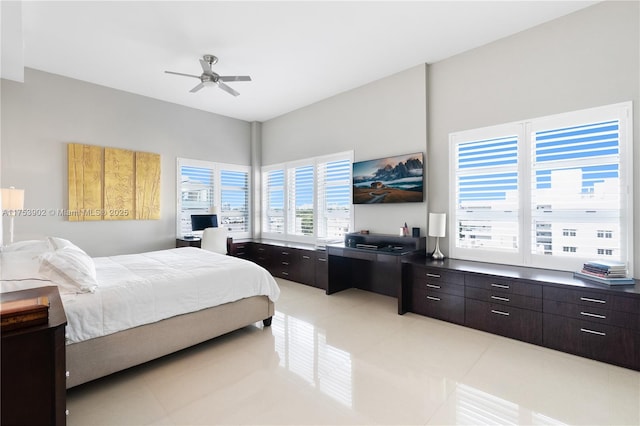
211 78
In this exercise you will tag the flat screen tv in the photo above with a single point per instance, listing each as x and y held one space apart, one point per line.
396 179
200 222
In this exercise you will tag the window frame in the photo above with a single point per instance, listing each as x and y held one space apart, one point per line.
623 112
216 169
287 168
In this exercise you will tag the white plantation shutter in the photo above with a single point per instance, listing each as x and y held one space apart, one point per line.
234 201
196 193
486 192
577 190
273 198
308 200
301 196
334 198
551 192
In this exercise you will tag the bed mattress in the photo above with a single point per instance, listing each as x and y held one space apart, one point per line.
139 289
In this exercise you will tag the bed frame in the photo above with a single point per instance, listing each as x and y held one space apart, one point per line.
105 355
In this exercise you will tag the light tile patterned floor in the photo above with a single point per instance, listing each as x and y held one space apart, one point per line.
349 358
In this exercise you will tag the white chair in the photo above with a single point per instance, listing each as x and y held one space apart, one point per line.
214 239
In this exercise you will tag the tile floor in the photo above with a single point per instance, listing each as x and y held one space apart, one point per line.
349 358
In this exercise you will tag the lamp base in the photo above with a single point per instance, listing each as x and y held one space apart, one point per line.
437 254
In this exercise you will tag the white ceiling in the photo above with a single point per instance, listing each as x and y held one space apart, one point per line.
297 53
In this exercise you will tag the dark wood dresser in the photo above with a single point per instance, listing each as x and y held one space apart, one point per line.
33 366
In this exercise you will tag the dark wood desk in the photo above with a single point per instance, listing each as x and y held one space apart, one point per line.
378 269
33 366
188 242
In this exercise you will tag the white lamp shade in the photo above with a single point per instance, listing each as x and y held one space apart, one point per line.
12 199
437 224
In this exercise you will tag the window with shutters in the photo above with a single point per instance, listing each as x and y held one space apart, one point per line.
308 200
209 187
538 192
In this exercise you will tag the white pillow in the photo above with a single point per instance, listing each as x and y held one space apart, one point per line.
71 269
20 270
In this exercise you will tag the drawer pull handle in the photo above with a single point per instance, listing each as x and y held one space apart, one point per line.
285 273
322 259
285 263
285 253
433 275
433 286
499 285
506 314
305 257
599 333
589 314
588 299
260 249
503 299
437 299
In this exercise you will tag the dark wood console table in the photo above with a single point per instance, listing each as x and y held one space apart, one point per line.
543 307
371 262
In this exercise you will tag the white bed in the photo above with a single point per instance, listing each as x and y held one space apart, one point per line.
126 310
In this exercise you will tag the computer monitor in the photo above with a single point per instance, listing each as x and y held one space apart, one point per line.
200 222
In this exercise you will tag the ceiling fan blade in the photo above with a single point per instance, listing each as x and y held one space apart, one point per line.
205 66
234 78
198 87
179 73
227 88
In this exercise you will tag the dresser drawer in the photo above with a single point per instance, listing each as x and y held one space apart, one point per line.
601 342
438 305
595 314
594 299
434 276
508 321
427 284
504 285
502 298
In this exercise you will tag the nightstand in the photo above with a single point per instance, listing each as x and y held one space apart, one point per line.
33 366
188 242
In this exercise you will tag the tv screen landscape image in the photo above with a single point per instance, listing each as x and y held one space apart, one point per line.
396 179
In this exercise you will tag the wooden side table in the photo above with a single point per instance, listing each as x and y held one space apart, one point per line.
34 366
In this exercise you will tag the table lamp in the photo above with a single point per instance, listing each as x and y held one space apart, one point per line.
12 200
437 228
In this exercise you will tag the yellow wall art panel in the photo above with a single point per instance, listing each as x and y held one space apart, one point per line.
85 175
119 181
112 183
147 185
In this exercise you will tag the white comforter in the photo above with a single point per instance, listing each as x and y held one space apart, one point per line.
143 288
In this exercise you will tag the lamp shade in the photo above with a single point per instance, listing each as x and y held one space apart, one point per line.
437 224
12 199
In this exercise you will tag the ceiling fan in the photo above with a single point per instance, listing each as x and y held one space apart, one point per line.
210 78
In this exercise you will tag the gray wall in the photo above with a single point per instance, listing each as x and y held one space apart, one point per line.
43 114
585 59
384 118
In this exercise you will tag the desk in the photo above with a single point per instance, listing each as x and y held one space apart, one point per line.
376 270
188 242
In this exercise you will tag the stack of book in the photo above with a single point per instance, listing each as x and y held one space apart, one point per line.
21 313
607 272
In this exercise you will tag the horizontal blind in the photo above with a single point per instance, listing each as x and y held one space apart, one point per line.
334 198
274 200
487 193
234 196
576 190
301 193
196 194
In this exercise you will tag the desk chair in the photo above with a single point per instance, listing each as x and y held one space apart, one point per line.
214 239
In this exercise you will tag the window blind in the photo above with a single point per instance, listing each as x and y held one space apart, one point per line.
196 194
234 196
301 194
273 198
334 198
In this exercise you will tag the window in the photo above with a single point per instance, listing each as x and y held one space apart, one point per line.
538 192
309 199
208 187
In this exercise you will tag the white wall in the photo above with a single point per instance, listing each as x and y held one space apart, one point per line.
384 118
585 59
41 115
